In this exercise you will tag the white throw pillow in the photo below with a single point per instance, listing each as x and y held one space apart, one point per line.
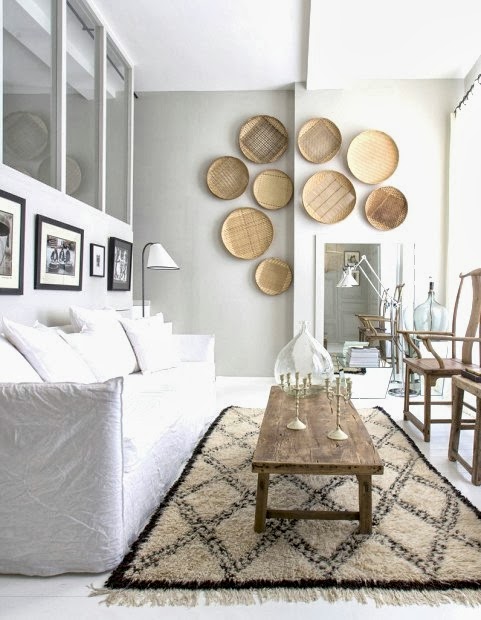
99 349
48 353
153 343
14 368
107 319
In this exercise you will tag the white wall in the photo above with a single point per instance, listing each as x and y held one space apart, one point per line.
415 113
51 306
177 136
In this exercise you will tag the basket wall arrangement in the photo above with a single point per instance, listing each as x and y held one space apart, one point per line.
328 196
272 189
319 140
386 208
263 139
273 276
372 156
227 177
247 233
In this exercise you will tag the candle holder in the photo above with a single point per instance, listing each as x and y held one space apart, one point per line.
298 390
342 389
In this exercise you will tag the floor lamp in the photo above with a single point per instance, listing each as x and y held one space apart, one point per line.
158 258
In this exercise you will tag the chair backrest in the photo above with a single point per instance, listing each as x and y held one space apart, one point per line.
473 328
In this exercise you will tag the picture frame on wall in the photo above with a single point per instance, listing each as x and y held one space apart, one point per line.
119 264
12 243
97 260
351 257
58 255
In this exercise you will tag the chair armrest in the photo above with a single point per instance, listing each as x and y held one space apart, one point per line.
195 347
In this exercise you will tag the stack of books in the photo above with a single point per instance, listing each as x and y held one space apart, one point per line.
363 357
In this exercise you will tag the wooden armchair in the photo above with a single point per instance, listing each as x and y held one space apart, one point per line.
436 367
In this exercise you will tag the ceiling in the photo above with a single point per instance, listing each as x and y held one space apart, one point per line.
270 44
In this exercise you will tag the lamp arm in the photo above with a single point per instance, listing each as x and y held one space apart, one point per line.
384 290
143 286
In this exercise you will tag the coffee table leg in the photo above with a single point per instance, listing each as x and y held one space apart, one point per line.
261 502
365 504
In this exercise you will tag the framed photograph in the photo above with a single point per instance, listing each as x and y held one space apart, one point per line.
351 257
58 255
355 275
120 264
97 260
12 242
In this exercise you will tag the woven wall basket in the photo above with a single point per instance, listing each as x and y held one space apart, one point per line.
372 156
73 174
386 208
227 177
25 135
247 233
263 139
328 196
272 189
319 140
273 276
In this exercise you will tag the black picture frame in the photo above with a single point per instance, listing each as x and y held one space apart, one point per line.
120 264
97 260
58 255
12 243
351 257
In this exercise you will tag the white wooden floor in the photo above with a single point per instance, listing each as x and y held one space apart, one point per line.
66 596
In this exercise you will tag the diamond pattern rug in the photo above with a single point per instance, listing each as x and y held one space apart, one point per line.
425 547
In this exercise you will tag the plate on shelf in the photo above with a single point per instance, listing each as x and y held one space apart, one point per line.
227 177
272 189
319 140
247 233
386 208
273 276
263 139
372 156
328 196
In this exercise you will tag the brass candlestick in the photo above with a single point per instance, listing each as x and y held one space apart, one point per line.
341 391
298 390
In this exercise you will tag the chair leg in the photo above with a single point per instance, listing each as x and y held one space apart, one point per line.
476 475
427 408
407 379
456 423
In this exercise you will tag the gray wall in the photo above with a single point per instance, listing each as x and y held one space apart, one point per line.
177 136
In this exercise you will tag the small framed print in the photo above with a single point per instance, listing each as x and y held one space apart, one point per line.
58 255
97 260
120 265
351 257
12 242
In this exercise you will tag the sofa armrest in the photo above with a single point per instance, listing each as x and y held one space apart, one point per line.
61 477
195 347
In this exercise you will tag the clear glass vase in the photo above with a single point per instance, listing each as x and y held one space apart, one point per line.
305 361
431 316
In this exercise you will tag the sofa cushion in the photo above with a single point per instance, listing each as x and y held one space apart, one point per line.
14 368
152 342
52 358
106 320
101 352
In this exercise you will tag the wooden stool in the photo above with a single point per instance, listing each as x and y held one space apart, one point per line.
459 386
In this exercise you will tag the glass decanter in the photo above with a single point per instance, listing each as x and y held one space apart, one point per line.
430 316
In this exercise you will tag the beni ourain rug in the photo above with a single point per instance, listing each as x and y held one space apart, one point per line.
201 546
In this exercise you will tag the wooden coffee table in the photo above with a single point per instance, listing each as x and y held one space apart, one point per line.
280 450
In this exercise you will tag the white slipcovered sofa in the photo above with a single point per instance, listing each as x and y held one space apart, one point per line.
89 442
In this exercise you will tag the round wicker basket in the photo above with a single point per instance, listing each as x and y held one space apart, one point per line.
319 140
372 156
73 174
273 276
328 196
247 233
227 177
25 135
263 139
386 208
272 189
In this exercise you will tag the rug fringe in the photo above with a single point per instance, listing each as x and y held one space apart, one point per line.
379 596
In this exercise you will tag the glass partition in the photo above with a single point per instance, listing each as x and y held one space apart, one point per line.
27 87
82 139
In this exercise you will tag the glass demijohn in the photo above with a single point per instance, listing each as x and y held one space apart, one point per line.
306 356
430 316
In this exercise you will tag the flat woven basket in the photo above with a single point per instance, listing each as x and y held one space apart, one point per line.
372 156
386 208
25 135
328 196
247 233
272 189
227 177
273 276
319 140
263 139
